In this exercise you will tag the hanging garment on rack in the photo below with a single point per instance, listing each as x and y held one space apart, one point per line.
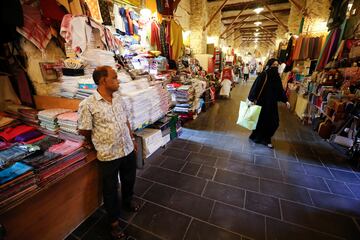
51 11
176 40
125 20
130 22
338 11
135 18
118 20
34 29
94 10
105 13
164 43
329 49
165 7
155 36
297 49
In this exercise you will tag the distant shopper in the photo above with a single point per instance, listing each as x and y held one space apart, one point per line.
272 92
259 68
246 72
103 120
227 80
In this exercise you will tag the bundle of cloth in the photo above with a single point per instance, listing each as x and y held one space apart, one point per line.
48 118
69 127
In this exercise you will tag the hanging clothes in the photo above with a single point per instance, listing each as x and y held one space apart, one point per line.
51 11
163 40
94 10
118 20
165 7
34 29
155 36
125 20
329 49
105 13
176 40
130 22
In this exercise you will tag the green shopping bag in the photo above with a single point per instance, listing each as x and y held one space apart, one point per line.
248 115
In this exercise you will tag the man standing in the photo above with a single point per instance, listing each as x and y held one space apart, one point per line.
103 119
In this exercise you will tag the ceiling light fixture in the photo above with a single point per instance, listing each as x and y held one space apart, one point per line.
257 30
258 10
258 23
256 34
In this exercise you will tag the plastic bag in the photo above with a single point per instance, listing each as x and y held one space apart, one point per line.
248 115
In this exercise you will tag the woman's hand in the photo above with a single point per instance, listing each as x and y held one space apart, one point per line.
288 105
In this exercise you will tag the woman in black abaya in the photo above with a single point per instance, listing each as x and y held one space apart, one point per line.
272 93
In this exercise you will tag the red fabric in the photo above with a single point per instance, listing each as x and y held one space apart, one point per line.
9 134
155 36
34 29
227 74
51 11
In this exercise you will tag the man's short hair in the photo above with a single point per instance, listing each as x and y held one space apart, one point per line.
99 72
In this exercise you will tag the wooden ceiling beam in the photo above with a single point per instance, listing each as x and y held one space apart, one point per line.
251 5
282 11
232 23
278 19
214 15
273 20
238 25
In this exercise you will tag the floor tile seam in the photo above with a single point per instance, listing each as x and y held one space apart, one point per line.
187 229
319 208
288 183
357 224
352 192
217 226
337 195
177 172
312 229
145 230
171 209
203 191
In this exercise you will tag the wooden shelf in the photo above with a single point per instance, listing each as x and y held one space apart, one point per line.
46 102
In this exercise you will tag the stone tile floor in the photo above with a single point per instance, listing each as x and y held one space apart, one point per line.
213 183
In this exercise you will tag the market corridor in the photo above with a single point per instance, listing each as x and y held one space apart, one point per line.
214 184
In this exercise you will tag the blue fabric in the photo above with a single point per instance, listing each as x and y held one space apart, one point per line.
13 172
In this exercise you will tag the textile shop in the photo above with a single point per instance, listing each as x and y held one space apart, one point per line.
322 77
50 50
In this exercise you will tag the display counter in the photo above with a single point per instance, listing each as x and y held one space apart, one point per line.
56 209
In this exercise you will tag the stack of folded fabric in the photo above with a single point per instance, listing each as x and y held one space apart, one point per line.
20 134
5 121
29 116
16 153
48 119
152 140
68 127
84 93
13 109
145 106
72 156
69 86
16 181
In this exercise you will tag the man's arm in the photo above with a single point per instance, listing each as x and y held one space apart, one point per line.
87 135
132 136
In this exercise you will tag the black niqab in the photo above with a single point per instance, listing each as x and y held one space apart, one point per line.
268 99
